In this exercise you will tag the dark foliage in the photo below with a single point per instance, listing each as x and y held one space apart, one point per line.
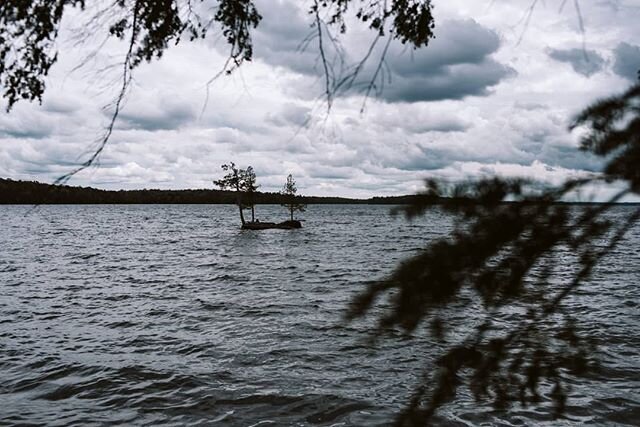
28 30
413 21
237 18
614 131
508 255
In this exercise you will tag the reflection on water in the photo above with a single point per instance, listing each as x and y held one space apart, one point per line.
172 315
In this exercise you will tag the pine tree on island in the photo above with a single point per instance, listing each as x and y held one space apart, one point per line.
289 192
251 187
236 180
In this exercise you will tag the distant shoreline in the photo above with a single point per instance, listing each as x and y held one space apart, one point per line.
37 193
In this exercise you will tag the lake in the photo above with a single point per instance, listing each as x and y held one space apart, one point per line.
171 315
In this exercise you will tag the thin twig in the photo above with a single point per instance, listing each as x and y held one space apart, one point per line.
126 80
376 73
323 58
527 20
582 31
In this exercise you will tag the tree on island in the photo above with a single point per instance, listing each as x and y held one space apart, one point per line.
240 181
251 187
289 192
243 183
501 256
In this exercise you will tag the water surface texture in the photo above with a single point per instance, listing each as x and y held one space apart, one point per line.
171 315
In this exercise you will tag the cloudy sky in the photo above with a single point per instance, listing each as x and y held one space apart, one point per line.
492 94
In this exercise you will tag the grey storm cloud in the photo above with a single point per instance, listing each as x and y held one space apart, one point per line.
28 125
287 45
451 125
456 42
424 123
451 82
457 64
627 61
566 156
331 172
32 132
585 62
433 158
157 117
428 160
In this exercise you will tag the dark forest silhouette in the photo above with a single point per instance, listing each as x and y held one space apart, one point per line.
504 254
14 192
36 193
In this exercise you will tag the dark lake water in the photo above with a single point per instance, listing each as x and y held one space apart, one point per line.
171 315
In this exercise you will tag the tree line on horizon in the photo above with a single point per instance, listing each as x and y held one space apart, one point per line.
14 192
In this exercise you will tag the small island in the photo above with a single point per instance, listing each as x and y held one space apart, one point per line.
243 183
285 225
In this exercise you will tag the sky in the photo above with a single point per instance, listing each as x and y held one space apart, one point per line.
493 94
